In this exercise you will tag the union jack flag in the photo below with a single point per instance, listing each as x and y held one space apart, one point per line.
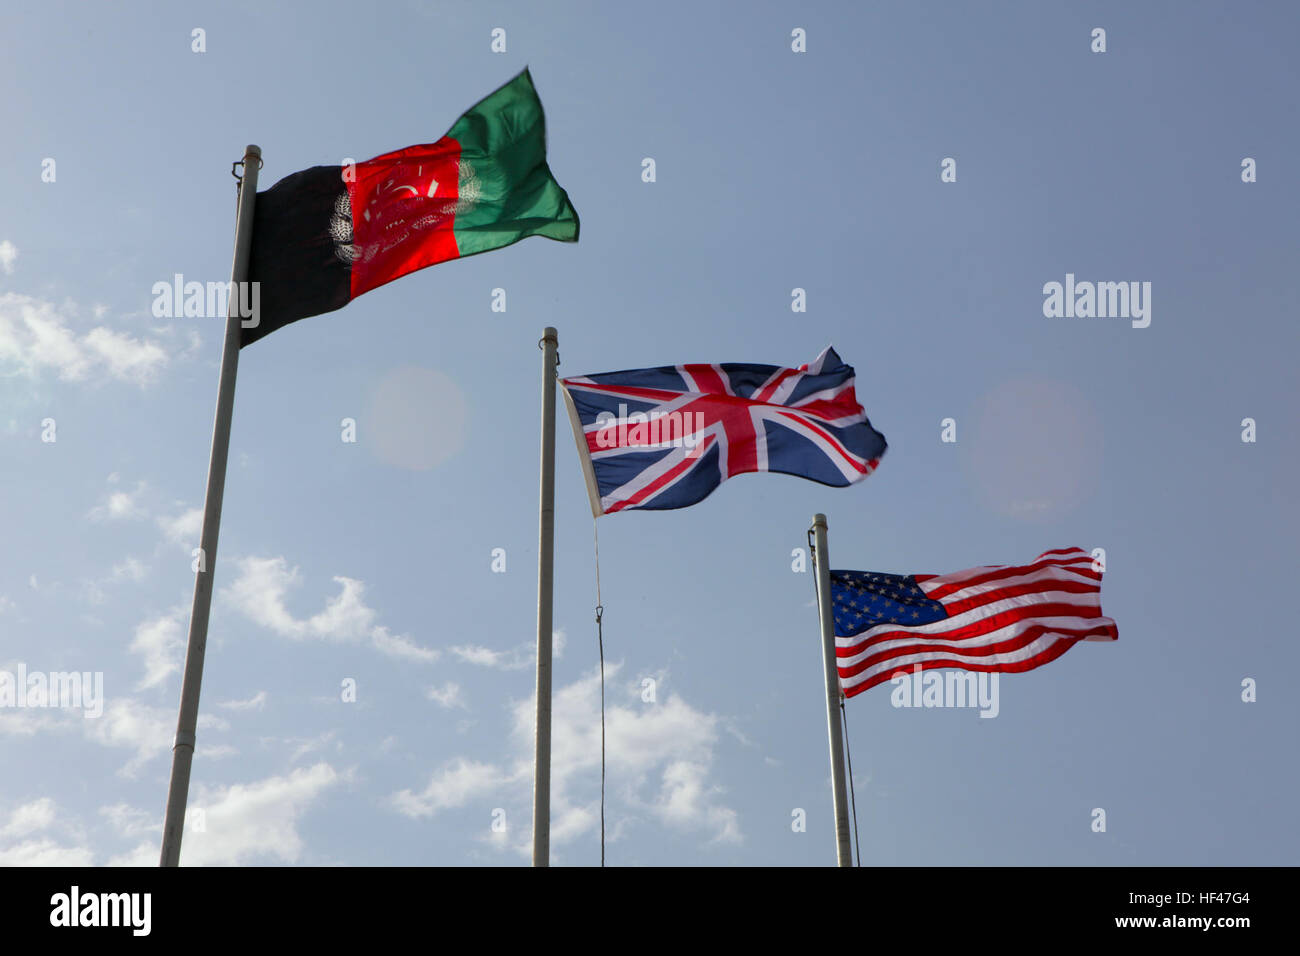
660 438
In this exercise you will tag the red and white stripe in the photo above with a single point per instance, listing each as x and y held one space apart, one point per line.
1000 618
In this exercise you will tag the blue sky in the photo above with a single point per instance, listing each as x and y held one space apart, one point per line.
775 170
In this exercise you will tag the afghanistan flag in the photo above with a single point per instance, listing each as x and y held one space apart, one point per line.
323 236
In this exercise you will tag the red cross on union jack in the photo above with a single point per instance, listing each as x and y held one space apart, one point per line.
667 437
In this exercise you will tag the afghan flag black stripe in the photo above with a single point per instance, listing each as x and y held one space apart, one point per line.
324 236
295 260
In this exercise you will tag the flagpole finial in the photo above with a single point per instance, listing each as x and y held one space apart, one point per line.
251 152
819 520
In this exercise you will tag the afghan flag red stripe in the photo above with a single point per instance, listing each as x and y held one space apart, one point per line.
324 236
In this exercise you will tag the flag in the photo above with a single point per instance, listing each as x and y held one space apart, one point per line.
325 235
996 618
659 438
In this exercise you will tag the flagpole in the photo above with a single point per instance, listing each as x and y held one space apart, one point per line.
545 584
183 746
839 800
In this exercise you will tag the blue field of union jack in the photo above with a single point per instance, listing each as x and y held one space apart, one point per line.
660 438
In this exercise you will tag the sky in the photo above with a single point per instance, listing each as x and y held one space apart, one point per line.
368 691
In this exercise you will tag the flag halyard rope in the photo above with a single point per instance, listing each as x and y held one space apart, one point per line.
600 642
853 797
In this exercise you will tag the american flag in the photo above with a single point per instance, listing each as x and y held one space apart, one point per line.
995 618
659 438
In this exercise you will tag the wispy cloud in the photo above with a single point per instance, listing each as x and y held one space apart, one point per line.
511 659
146 731
448 695
660 757
183 529
226 825
248 822
259 594
454 785
159 641
36 336
25 839
119 504
256 702
130 569
129 821
29 818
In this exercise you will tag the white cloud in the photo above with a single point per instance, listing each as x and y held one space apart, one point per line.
147 731
513 659
309 745
128 723
94 591
120 505
399 645
29 818
247 823
454 785
45 852
26 841
448 695
130 821
659 759
685 799
664 752
29 849
35 336
8 253
159 641
256 702
27 721
573 822
244 823
183 529
7 604
144 854
486 657
126 359
130 568
259 594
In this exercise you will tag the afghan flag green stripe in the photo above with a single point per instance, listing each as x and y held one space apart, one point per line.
326 235
507 191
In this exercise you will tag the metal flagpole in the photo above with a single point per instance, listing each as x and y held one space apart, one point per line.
839 800
183 747
545 578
